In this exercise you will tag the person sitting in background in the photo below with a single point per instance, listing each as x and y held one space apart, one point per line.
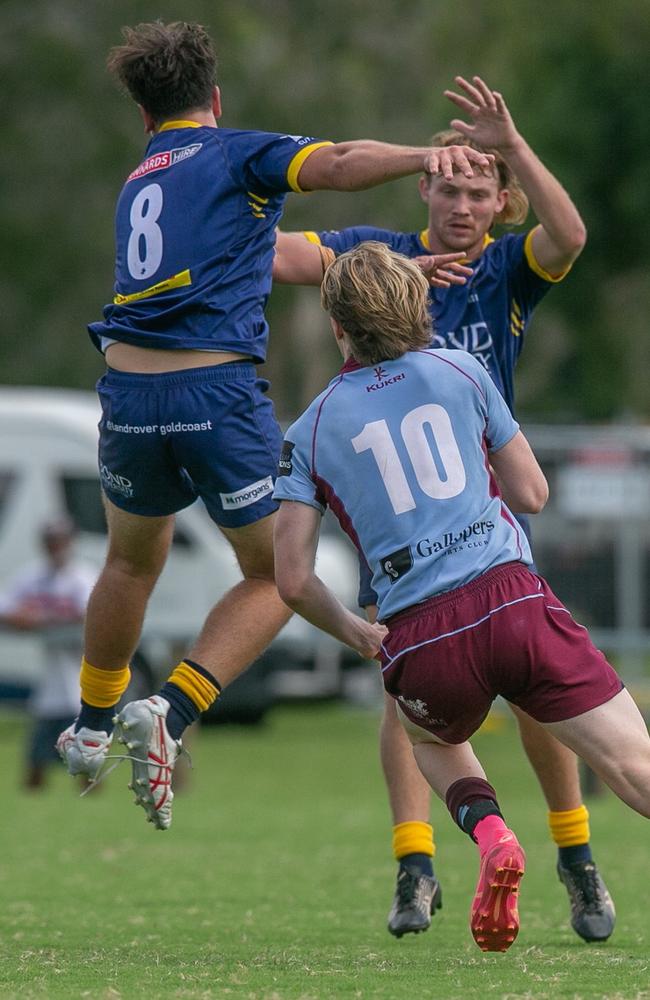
49 599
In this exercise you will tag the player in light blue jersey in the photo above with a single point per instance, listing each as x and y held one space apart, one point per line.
486 311
419 458
183 412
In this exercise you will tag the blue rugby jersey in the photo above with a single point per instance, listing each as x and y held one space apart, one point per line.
195 231
489 315
400 453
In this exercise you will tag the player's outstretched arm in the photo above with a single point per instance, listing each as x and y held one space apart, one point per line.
522 482
295 539
561 235
364 163
298 261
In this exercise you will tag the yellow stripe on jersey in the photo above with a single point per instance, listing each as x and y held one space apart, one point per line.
176 281
534 264
311 236
179 124
258 197
516 322
294 167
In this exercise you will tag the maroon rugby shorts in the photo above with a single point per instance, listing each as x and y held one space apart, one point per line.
505 633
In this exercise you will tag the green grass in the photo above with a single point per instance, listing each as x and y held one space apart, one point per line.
276 877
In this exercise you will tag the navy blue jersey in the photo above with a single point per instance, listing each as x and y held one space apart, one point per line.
400 452
194 233
487 316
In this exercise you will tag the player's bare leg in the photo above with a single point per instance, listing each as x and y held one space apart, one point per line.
237 630
456 775
417 893
613 740
243 623
592 911
137 550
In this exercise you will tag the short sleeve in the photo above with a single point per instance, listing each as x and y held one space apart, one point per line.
294 480
501 426
270 162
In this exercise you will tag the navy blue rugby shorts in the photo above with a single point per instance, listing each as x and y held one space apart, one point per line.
166 439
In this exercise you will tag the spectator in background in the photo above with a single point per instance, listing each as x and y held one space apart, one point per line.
50 599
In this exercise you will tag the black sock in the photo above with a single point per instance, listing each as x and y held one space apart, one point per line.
574 855
417 864
182 710
99 719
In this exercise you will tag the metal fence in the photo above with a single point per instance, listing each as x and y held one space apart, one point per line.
592 541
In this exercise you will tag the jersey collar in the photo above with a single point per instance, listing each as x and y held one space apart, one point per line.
178 124
424 240
351 365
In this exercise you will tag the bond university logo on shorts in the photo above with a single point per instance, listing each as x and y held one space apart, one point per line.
397 563
285 465
250 494
160 161
383 379
114 483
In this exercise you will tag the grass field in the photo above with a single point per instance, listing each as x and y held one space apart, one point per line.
276 877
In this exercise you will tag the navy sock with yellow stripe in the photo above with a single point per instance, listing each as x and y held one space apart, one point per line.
100 692
190 690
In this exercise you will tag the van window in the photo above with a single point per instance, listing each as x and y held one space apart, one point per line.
83 503
7 479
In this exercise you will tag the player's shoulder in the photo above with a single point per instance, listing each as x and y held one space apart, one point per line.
501 249
455 363
408 244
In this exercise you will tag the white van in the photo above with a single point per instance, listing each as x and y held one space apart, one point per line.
48 468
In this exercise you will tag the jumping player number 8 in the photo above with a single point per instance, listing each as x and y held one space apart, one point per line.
146 234
377 438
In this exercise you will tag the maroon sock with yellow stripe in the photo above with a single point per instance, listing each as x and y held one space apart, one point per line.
190 690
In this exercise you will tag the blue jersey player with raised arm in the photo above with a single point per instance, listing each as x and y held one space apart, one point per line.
485 311
183 412
418 456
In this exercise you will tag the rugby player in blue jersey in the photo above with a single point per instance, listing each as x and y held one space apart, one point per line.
183 412
485 311
416 453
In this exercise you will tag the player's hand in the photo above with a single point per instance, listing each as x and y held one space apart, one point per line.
491 122
445 159
369 640
444 269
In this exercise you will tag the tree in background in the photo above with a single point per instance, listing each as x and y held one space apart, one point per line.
576 78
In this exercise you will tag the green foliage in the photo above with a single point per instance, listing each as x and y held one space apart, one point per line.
275 881
576 78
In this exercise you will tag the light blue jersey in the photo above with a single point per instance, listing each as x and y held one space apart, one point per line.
400 453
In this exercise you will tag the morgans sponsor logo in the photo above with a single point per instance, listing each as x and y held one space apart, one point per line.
250 494
383 379
160 161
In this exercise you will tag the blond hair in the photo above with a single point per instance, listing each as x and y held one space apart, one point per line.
381 300
516 208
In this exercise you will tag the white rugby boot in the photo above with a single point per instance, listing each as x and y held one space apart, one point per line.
85 751
142 727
